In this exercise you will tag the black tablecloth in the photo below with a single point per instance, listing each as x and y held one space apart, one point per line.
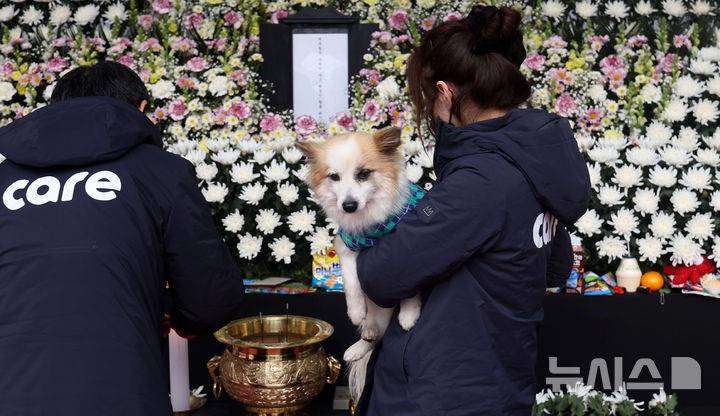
623 334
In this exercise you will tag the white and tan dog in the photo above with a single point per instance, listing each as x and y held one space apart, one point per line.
359 180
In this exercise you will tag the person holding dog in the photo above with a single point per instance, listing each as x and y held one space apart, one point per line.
479 246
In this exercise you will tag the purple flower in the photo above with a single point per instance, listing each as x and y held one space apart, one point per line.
194 20
270 122
145 21
428 23
398 20
197 64
305 125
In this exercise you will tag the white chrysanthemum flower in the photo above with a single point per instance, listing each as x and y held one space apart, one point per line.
267 221
674 8
657 134
414 172
31 16
663 177
412 147
650 93
628 176
687 139
713 85
218 86
715 201
642 156
676 110
226 157
116 11
253 193
162 89
282 249
617 9
262 156
7 13
388 89
589 224
662 225
424 159
302 221
714 140
598 93
688 87
586 9
644 8
650 248
292 155
675 156
234 222
276 172
243 173
646 201
684 201
584 141
320 240
205 171
86 14
288 193
216 144
706 111
7 91
552 8
610 195
697 178
302 172
612 248
247 146
249 246
684 250
715 255
710 53
215 192
708 157
702 8
59 15
702 67
604 154
595 176
624 223
195 156
700 227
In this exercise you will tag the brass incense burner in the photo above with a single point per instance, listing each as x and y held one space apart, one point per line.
274 365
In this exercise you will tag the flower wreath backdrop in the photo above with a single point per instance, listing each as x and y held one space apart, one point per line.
639 81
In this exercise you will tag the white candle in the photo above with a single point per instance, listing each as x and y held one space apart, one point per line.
179 374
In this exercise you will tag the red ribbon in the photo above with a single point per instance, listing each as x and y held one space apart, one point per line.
679 275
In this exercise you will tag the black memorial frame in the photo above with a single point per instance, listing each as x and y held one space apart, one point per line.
276 48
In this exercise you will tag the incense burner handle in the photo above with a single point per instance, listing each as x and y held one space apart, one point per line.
213 365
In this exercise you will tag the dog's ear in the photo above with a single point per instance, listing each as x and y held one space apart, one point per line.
308 148
387 140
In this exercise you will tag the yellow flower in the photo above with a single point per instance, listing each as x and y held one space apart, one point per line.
400 60
15 75
21 89
426 4
613 134
575 63
154 77
255 29
214 2
371 2
172 27
403 4
334 128
535 40
202 145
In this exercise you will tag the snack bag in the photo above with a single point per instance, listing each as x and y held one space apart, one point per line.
326 271
596 285
574 283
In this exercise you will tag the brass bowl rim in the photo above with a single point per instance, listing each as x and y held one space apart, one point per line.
325 330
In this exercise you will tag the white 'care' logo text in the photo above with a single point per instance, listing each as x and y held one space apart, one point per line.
100 186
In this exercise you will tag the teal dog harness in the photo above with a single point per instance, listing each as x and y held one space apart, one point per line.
359 241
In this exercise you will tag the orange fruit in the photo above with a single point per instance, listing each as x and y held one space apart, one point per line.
653 281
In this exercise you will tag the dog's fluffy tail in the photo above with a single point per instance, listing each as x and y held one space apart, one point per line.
357 375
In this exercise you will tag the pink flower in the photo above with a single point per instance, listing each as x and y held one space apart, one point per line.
398 20
400 39
162 6
240 109
128 60
145 21
63 41
239 76
555 42
565 105
270 122
8 68
187 82
372 110
453 16
278 15
178 110
592 120
637 41
372 75
194 20
382 37
56 64
562 76
197 64
428 23
220 115
597 42
233 19
535 62
611 63
616 77
145 75
666 63
345 120
150 44
160 113
305 125
184 45
682 40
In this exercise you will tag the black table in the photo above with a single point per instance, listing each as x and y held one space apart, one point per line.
624 335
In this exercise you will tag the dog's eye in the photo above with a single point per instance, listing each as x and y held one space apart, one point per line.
334 177
363 174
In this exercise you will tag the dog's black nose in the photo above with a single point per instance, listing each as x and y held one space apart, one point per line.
350 206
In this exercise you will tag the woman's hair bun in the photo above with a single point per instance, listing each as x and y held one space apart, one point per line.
497 30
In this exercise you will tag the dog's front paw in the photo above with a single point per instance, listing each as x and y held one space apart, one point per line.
357 312
409 315
370 331
357 351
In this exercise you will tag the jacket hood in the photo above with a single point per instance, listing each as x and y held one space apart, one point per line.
540 145
76 132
